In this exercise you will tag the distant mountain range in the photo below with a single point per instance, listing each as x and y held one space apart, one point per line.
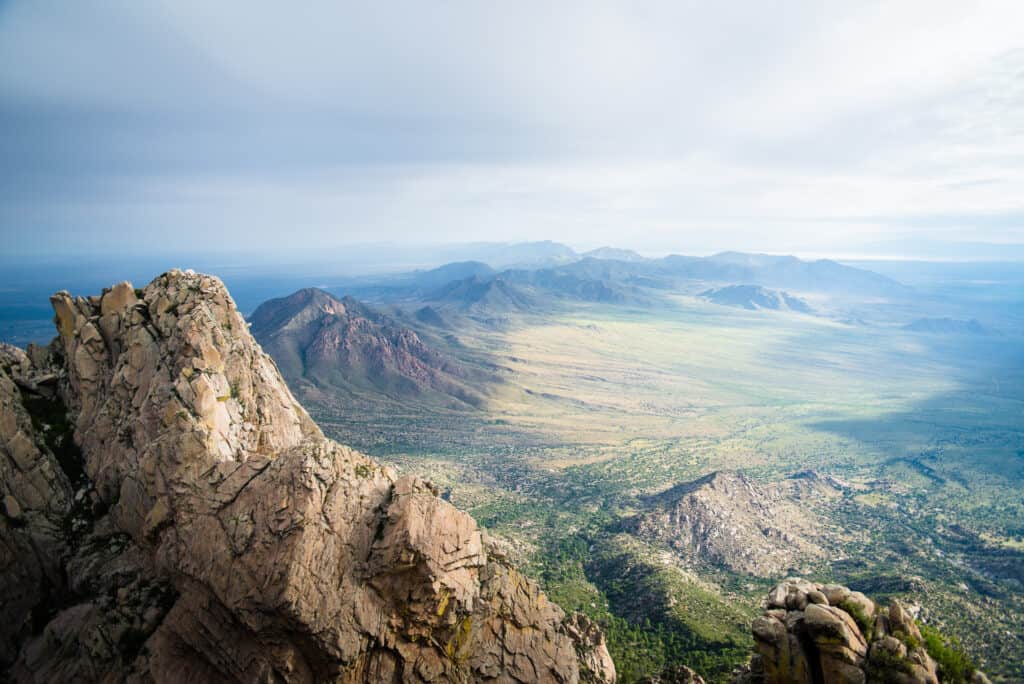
616 276
789 272
565 282
614 253
820 275
517 254
320 341
482 295
768 270
755 297
458 270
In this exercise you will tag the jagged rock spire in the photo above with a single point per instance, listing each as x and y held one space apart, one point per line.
234 542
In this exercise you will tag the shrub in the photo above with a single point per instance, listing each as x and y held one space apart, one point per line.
866 623
955 667
887 668
909 640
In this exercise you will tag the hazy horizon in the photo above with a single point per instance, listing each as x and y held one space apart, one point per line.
428 252
837 129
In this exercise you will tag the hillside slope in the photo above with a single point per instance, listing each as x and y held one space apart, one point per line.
482 297
726 519
755 298
335 344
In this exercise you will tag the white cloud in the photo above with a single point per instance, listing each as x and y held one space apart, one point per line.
668 125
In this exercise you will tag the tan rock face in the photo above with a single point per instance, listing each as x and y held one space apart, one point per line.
35 497
678 674
845 639
593 651
76 596
291 557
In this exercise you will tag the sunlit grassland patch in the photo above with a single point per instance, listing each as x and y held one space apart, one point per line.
1015 543
874 499
605 376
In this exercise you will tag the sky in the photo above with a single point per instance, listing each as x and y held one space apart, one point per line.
806 127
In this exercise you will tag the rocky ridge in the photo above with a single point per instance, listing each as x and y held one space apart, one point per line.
727 519
214 533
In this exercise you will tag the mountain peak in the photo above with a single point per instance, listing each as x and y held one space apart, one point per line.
482 296
328 343
296 309
228 539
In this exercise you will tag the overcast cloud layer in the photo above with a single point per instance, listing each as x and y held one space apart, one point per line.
797 126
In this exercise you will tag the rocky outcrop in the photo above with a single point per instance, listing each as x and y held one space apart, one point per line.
677 674
815 633
77 597
729 520
35 499
228 540
591 648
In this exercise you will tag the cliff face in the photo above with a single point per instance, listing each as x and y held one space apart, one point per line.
35 499
222 537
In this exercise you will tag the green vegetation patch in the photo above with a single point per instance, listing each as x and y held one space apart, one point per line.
865 622
955 666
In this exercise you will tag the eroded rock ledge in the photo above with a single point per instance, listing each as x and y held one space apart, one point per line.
226 539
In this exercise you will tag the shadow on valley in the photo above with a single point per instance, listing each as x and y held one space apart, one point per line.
938 499
971 435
